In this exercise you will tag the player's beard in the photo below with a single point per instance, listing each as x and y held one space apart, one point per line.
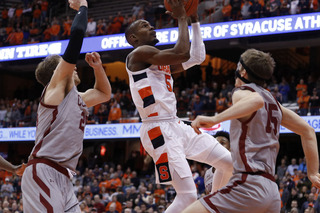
155 41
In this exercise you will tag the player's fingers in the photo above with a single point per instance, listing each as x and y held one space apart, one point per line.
20 171
196 129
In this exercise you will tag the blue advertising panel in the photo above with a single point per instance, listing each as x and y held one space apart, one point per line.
124 131
224 30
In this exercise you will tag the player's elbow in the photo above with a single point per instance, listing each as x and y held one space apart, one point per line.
185 56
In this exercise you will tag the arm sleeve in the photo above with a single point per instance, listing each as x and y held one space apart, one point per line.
197 49
78 29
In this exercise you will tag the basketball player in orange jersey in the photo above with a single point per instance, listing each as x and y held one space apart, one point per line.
164 136
255 124
61 119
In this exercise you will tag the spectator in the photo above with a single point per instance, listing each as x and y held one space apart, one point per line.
149 13
91 27
19 36
55 29
98 203
314 102
303 165
284 89
277 95
294 8
36 15
275 7
246 10
101 28
257 9
303 102
44 9
304 6
284 8
210 104
135 9
113 206
5 16
309 203
281 169
292 166
66 27
6 188
115 112
221 103
198 106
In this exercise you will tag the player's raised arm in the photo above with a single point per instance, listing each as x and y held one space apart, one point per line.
245 103
143 38
197 49
296 124
62 78
102 89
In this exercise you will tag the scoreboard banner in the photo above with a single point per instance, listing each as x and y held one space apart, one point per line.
216 31
124 130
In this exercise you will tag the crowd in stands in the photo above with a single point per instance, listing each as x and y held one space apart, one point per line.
29 22
196 98
130 188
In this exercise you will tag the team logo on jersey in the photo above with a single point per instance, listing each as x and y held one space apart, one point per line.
163 168
165 68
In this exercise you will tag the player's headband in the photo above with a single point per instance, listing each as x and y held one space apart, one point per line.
237 74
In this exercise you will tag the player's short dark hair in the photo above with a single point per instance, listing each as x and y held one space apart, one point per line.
44 70
130 30
222 134
261 64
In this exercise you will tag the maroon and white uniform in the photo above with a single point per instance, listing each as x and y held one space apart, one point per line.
58 145
254 149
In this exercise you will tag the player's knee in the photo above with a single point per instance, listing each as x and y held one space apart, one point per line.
189 197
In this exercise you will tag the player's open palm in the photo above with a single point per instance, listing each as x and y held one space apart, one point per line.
76 4
202 121
94 60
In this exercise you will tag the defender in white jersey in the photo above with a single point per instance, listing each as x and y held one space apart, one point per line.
167 139
61 119
255 123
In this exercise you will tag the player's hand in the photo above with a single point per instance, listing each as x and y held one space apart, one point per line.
94 60
194 17
20 169
76 4
202 121
315 179
177 7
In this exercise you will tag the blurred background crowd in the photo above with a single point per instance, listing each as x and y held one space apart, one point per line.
33 21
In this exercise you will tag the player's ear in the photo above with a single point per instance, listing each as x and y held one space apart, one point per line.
133 38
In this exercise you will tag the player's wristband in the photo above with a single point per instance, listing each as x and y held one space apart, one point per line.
197 49
78 29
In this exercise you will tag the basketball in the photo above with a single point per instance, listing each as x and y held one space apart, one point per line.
189 5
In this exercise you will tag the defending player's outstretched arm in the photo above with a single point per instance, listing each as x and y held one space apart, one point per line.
62 79
296 124
102 89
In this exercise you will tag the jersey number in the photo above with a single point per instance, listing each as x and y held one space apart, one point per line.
83 121
168 78
271 119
